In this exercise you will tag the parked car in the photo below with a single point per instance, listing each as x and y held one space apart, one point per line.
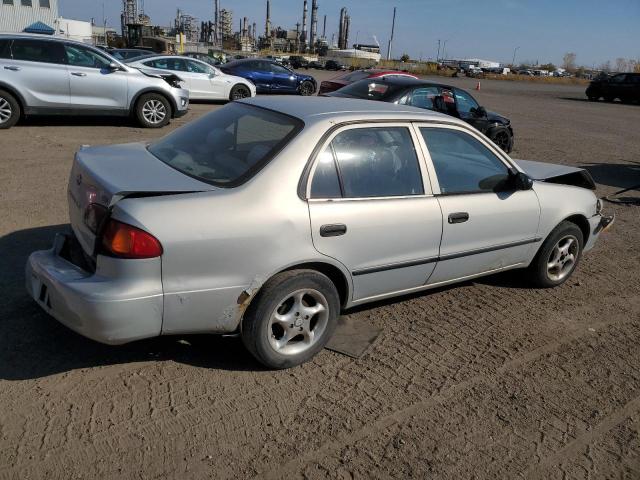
44 75
124 54
333 65
625 86
298 61
203 81
299 208
316 65
447 99
350 77
271 77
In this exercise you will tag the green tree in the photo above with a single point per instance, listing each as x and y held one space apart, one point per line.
405 57
548 66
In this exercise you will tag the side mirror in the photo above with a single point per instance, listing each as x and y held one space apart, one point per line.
520 180
479 112
113 66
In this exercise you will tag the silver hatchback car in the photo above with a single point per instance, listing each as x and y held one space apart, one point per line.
45 76
269 216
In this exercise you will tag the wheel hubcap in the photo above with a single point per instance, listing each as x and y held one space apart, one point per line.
306 89
563 258
298 322
5 110
154 111
502 141
240 93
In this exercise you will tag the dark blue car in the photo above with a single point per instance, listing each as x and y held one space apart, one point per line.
271 77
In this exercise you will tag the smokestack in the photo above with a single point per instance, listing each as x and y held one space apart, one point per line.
347 24
314 24
254 31
244 27
216 22
304 37
324 28
267 26
343 12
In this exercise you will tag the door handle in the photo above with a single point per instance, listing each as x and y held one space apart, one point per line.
78 74
12 68
333 230
458 217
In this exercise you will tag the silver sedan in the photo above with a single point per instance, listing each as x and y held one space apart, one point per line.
271 215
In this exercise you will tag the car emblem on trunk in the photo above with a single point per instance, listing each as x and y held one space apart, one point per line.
78 179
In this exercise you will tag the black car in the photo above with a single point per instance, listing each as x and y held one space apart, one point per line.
297 61
625 86
433 96
315 64
333 65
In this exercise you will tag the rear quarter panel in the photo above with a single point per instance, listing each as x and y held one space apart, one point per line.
220 244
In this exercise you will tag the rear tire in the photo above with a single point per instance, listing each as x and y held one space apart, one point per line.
307 88
239 92
9 110
153 110
558 256
291 319
502 139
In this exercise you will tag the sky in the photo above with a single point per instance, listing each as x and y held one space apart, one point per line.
544 30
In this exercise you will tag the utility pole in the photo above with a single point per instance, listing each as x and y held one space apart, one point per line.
438 56
513 61
393 27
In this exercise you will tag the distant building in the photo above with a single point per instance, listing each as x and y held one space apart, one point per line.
75 30
226 21
18 15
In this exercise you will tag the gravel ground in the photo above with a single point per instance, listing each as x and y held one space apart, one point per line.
486 379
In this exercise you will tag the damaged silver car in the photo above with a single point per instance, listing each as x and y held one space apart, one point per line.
270 216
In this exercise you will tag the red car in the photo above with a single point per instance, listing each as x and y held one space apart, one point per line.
350 77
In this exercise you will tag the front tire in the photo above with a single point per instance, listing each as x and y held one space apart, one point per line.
558 256
9 110
153 110
239 92
307 88
291 319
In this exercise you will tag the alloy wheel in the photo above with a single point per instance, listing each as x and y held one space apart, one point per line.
502 140
5 110
306 89
240 93
298 322
562 258
154 111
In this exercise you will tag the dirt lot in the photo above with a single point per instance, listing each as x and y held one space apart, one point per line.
483 380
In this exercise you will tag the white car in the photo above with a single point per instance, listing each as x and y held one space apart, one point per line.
204 81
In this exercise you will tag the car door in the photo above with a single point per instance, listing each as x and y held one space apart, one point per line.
284 80
259 72
38 69
202 81
371 210
469 110
93 84
487 224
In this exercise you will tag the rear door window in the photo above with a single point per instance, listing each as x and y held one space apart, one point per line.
326 183
42 51
421 97
174 64
372 162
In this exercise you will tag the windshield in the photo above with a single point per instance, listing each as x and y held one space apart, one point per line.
228 146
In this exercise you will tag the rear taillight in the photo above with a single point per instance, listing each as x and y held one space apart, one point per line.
126 241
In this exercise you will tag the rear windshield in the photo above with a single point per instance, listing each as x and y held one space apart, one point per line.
370 89
228 146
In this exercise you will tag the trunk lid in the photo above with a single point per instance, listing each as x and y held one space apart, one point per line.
105 175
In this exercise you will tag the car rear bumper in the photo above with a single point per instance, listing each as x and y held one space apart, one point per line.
120 302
